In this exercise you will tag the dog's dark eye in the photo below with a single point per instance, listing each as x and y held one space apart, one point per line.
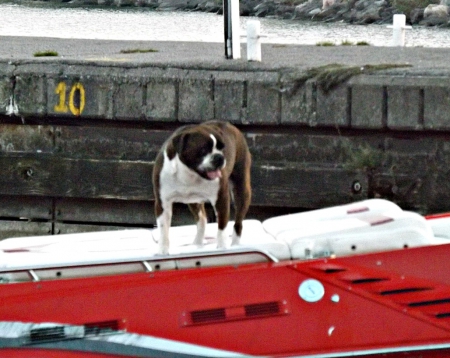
203 151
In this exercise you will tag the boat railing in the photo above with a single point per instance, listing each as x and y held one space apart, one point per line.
229 257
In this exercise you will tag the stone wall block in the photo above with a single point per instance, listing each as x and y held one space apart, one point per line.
128 99
263 103
79 97
30 94
6 94
229 100
161 100
6 87
437 108
98 98
299 106
367 106
196 100
333 107
404 108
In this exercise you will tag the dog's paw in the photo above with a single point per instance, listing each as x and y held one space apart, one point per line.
221 246
198 241
235 240
221 239
163 252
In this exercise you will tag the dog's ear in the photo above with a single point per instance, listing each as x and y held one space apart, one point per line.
176 145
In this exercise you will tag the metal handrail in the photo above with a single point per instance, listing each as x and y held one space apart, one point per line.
146 264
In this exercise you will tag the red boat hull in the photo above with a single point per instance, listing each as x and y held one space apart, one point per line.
386 304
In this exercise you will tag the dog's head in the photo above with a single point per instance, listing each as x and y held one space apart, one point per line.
202 152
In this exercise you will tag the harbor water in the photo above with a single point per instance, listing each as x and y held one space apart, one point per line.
43 20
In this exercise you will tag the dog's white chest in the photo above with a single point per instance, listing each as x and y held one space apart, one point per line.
180 184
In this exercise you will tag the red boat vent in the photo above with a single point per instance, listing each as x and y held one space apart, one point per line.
328 268
404 290
205 316
262 309
363 280
226 314
429 303
413 295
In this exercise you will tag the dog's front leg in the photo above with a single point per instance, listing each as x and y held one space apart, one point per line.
164 220
199 213
222 209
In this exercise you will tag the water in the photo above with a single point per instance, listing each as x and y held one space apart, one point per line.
145 24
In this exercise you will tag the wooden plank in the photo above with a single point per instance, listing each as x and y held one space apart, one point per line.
109 143
125 212
62 177
25 139
26 207
23 228
306 187
128 143
312 146
82 142
274 184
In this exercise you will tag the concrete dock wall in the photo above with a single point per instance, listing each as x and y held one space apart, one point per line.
78 140
397 100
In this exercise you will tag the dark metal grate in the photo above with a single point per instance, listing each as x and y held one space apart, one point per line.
233 313
47 334
367 280
334 270
429 303
262 309
404 290
59 333
212 315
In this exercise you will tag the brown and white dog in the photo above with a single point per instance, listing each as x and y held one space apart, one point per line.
198 164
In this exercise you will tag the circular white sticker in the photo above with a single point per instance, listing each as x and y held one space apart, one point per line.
311 290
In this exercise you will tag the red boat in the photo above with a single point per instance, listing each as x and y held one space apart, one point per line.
363 279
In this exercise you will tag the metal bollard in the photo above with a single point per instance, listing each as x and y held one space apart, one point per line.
232 29
398 30
253 40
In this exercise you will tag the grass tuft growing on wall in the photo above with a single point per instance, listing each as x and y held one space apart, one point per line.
332 75
325 43
47 53
138 50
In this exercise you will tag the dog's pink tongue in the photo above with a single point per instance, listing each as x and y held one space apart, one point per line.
214 174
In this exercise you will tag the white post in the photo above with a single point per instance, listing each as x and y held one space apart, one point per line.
236 29
398 30
253 40
232 29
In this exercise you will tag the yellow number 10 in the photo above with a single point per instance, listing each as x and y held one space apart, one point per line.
77 98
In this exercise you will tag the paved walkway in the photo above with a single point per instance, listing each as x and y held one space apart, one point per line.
211 55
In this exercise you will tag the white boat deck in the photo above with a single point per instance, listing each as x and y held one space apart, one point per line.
368 226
